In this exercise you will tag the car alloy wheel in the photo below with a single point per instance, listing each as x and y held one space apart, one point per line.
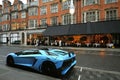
48 68
10 61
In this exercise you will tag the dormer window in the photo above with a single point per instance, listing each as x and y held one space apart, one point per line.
15 7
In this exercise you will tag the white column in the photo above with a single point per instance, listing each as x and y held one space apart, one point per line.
72 17
20 37
96 15
84 17
30 36
84 2
25 38
72 11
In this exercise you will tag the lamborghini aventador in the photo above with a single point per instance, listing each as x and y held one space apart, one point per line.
45 60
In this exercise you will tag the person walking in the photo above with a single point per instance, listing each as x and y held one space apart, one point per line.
37 42
60 43
7 40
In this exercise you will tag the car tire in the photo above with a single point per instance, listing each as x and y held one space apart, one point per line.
10 61
48 68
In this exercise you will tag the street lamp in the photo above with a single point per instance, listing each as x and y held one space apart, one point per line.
72 11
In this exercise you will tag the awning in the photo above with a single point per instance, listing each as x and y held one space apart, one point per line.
102 27
106 27
60 30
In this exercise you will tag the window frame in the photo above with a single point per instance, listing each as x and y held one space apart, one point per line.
109 16
110 1
54 8
43 10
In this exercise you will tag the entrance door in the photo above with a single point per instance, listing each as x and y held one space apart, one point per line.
23 38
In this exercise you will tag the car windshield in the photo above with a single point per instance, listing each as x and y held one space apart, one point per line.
57 51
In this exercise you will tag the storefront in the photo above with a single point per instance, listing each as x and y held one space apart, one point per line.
87 34
3 38
32 35
11 37
21 37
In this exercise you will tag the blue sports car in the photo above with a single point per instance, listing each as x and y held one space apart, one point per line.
44 60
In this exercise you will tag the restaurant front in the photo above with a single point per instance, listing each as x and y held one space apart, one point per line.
92 34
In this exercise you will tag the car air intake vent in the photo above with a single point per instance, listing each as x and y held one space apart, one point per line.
68 62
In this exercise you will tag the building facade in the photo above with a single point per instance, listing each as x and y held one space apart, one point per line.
25 23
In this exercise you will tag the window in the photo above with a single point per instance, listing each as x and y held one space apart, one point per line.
28 52
15 7
44 1
65 4
14 37
54 8
32 23
54 20
23 15
43 10
15 15
89 2
110 1
111 14
66 19
34 3
6 10
3 38
5 27
43 22
15 26
33 11
90 16
23 25
5 17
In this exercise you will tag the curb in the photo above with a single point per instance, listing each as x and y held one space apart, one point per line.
72 48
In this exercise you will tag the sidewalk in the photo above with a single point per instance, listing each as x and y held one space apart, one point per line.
72 48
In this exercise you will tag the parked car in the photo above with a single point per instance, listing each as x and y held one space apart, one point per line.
43 60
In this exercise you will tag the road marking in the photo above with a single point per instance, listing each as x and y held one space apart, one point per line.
79 77
105 71
81 69
99 70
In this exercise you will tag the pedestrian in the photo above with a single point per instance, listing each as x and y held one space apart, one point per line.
60 43
55 43
7 40
37 42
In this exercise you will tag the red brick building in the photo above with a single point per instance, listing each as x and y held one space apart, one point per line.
26 22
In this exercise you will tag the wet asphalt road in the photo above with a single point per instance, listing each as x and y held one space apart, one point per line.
99 60
91 65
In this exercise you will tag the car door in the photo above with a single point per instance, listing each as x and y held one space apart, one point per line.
26 58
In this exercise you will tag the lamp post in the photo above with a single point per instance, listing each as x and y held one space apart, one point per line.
72 11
